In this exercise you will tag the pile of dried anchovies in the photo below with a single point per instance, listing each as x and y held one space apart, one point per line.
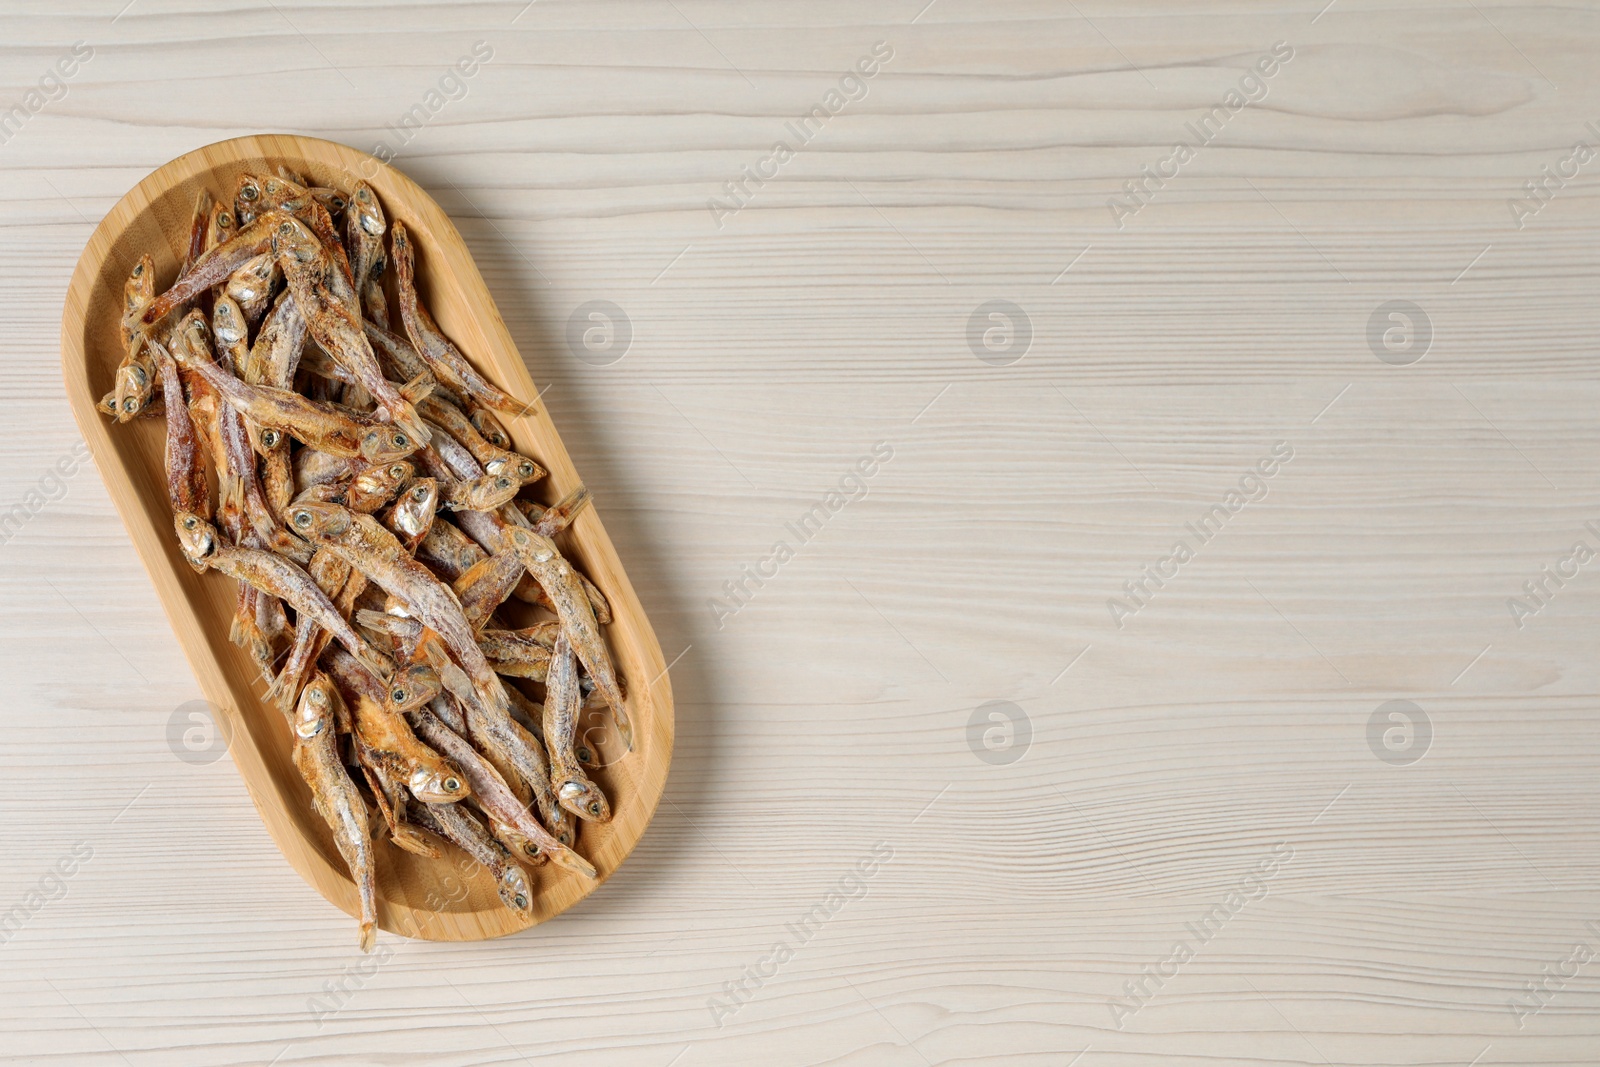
367 503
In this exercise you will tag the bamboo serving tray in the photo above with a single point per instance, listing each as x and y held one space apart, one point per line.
440 899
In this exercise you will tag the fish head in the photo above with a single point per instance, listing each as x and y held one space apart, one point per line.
438 786
489 427
523 849
319 522
381 444
278 191
514 890
562 826
512 465
489 492
222 226
378 484
532 545
190 341
141 285
228 323
247 199
197 539
584 799
414 511
367 213
413 686
315 711
293 239
133 390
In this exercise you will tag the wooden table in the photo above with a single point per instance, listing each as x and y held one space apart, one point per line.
984 768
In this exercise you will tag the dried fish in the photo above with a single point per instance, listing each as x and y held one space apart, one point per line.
443 357
573 788
338 448
334 795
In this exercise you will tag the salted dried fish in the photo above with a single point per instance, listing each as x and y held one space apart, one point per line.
365 226
136 374
185 465
562 700
335 796
545 562
442 357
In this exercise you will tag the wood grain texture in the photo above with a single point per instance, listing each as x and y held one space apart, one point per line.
451 898
831 712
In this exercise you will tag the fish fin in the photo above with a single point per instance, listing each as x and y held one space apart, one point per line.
369 936
405 837
275 692
418 387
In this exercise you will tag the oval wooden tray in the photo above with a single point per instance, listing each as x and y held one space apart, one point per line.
416 897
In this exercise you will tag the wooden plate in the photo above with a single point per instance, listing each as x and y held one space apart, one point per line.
437 899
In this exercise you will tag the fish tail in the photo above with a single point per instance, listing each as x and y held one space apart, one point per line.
565 857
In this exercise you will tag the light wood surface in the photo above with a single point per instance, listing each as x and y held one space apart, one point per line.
448 898
1166 759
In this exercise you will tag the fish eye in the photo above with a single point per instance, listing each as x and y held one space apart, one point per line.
397 471
224 219
521 901
302 519
451 785
286 227
594 807
190 522
248 192
420 493
502 483
138 269
269 438
399 440
584 755
338 203
398 695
